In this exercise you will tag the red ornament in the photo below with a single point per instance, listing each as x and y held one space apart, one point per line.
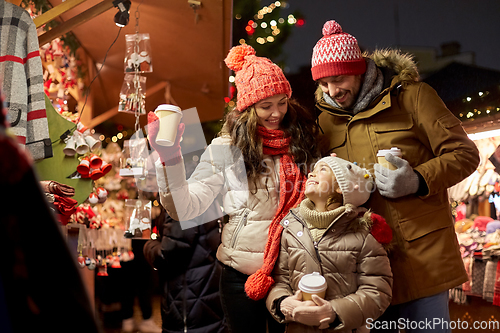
81 261
115 263
93 199
102 193
232 91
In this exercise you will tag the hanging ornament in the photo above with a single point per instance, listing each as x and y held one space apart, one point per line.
92 264
81 261
102 194
137 60
138 53
133 94
115 262
93 199
134 156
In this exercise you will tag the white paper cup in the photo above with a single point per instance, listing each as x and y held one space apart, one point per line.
312 284
381 157
169 117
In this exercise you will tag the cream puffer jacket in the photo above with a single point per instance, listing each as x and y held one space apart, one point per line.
250 206
354 264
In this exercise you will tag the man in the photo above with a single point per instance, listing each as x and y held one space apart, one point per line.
373 102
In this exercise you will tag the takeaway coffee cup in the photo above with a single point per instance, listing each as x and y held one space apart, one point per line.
381 157
312 284
169 117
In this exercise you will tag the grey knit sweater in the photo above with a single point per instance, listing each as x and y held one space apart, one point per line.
22 80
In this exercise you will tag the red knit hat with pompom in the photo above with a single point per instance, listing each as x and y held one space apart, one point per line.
256 77
336 53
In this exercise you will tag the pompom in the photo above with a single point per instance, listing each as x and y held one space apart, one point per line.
331 27
380 230
236 57
258 285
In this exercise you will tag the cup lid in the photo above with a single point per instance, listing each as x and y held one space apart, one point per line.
394 151
168 107
312 283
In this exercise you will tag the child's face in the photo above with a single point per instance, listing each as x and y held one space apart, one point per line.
321 183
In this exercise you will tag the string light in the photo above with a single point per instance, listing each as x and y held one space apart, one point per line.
270 29
474 99
114 138
252 24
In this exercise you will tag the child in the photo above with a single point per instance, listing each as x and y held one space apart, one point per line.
329 233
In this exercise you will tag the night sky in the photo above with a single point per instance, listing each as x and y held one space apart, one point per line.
422 23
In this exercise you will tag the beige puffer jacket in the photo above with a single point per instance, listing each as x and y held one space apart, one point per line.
250 207
354 264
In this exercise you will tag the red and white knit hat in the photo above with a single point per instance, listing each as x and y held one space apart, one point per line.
336 53
256 77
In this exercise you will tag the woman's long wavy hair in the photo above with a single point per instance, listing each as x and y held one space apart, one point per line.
298 123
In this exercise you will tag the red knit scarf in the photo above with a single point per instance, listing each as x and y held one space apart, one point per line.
275 143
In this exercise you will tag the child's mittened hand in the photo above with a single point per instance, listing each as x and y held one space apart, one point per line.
325 322
291 302
321 314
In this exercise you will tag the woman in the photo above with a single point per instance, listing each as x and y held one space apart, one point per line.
274 139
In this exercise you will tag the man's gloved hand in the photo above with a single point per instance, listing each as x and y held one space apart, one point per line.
321 314
168 155
291 302
396 183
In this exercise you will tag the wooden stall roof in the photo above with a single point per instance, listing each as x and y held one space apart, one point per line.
188 47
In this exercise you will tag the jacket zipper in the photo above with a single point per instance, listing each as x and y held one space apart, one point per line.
317 251
315 243
242 223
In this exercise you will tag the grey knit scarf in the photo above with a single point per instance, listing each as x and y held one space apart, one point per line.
372 86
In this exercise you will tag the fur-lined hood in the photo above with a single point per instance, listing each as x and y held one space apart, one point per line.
397 67
405 69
